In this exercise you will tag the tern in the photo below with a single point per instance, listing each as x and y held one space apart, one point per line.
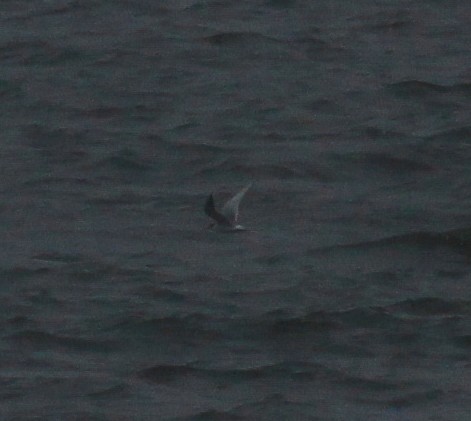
227 218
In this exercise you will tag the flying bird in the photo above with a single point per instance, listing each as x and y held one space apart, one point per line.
227 218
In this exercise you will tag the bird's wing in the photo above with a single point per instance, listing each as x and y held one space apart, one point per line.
211 211
231 208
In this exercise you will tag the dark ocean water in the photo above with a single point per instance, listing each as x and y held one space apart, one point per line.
349 298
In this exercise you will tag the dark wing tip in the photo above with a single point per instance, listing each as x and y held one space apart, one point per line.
209 206
211 211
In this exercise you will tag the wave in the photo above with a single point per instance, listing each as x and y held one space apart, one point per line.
293 369
118 391
239 39
382 316
124 160
419 88
249 45
431 306
287 170
384 162
41 10
459 134
459 239
36 52
210 415
188 328
18 273
166 373
59 257
415 398
43 340
315 325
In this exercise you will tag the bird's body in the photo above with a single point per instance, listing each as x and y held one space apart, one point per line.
226 220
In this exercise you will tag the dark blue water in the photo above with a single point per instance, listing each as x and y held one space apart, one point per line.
349 298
